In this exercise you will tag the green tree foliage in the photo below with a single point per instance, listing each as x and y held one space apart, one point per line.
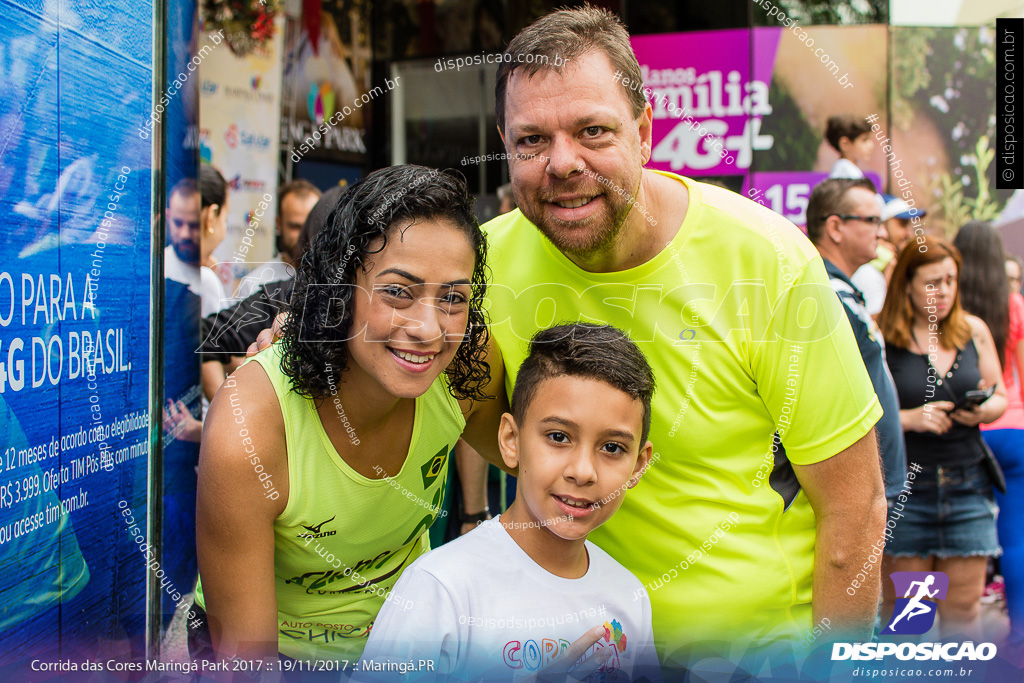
796 141
824 13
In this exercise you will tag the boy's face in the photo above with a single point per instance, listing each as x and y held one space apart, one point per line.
899 231
858 150
578 451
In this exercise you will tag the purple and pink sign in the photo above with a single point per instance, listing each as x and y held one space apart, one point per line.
787 192
709 93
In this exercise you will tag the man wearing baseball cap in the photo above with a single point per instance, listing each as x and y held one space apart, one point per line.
872 279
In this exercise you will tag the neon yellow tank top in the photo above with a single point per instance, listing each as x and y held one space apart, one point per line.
343 540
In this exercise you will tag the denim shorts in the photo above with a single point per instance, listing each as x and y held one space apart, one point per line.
950 511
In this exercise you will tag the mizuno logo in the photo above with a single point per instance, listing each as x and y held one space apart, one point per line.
314 531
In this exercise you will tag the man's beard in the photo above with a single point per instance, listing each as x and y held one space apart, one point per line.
580 239
284 251
187 251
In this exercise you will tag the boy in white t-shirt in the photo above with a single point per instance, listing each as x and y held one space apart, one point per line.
851 137
525 595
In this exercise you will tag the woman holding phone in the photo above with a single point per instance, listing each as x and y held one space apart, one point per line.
324 457
939 357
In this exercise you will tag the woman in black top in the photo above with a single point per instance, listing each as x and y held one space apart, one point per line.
944 521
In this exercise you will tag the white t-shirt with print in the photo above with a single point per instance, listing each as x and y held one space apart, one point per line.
482 609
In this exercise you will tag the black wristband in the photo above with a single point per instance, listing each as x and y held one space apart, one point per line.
474 518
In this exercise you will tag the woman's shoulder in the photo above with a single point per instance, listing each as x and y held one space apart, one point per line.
246 401
495 383
440 395
979 330
243 443
250 383
981 336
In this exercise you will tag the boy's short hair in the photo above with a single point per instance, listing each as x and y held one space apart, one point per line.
845 126
598 352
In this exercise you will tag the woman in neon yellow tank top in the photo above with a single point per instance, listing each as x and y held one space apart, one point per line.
324 456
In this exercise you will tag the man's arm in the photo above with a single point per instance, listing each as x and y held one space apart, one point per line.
472 471
213 376
846 494
230 331
483 417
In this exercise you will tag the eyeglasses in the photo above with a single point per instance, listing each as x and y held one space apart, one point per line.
873 220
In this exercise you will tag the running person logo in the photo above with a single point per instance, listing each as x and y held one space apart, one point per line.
913 615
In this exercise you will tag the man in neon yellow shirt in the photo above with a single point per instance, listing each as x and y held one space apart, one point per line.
768 493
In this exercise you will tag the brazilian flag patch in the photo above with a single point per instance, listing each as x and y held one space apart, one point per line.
432 468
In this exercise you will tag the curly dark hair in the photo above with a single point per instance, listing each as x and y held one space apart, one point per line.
320 311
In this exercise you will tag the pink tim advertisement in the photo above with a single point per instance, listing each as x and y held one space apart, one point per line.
709 91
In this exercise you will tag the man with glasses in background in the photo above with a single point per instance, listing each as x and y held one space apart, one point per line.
844 224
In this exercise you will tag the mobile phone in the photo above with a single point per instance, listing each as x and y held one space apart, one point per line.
974 398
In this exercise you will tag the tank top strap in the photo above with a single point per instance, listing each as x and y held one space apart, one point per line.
293 406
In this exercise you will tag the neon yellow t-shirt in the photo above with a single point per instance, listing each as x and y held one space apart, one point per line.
746 337
343 539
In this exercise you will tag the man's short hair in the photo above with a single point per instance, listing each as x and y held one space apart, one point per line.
185 188
317 218
845 126
597 352
299 187
569 34
830 197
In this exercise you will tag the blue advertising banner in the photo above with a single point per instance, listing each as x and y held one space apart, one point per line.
183 403
74 329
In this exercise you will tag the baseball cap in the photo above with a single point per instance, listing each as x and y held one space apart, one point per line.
898 208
